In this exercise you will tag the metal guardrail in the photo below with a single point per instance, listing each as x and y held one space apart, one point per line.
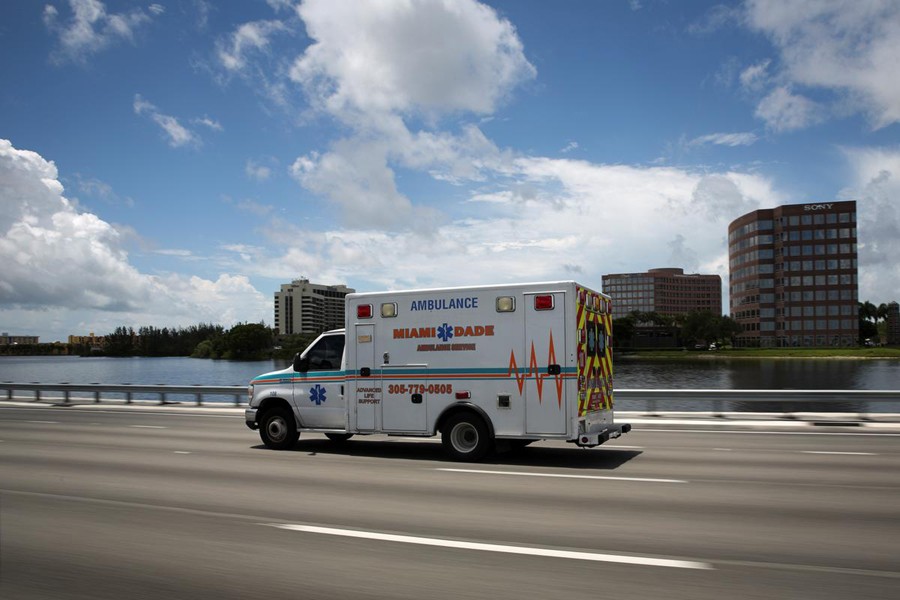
786 401
123 392
783 401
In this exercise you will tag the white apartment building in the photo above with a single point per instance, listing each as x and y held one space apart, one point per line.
304 307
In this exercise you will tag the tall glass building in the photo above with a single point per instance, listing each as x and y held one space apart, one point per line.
793 275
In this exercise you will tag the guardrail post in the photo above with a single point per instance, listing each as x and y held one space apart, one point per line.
96 396
162 397
37 395
651 407
65 396
717 408
237 399
127 397
199 398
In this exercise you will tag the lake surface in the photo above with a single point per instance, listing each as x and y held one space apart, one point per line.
701 373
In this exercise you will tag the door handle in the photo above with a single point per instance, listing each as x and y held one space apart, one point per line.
417 398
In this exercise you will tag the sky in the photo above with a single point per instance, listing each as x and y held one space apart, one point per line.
173 163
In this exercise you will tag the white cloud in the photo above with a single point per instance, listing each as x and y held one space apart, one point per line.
378 65
569 147
557 217
157 9
248 38
72 263
725 139
257 171
876 189
755 77
210 123
398 57
177 134
782 111
851 48
91 29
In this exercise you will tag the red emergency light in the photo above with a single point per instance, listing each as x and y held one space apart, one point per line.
363 311
543 302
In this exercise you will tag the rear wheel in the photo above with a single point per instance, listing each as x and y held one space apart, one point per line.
278 429
339 437
465 437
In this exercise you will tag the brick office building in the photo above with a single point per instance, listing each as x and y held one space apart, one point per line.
793 275
665 291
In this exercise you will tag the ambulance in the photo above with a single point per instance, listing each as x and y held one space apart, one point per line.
486 367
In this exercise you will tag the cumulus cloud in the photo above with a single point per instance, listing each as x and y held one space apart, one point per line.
91 28
850 48
388 57
556 217
56 257
381 66
178 135
876 189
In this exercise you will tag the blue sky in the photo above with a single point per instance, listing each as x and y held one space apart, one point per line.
175 162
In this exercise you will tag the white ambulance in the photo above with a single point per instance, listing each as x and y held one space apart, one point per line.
488 366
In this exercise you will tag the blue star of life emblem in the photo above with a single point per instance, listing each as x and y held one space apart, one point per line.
445 332
317 395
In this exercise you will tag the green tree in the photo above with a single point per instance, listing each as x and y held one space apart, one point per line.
248 341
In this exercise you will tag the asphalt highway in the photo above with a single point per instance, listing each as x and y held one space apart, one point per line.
125 503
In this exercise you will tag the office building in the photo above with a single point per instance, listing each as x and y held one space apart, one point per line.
665 291
793 275
15 340
304 307
892 319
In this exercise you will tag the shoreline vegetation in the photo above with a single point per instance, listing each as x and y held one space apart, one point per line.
879 352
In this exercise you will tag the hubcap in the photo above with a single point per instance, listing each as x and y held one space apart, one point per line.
464 437
277 429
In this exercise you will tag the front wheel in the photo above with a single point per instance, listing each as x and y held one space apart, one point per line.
465 437
278 429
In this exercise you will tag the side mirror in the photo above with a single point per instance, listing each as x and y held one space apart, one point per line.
301 364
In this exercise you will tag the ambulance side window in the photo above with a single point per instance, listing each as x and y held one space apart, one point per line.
327 353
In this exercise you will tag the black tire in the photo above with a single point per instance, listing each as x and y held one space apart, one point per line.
278 429
339 437
465 437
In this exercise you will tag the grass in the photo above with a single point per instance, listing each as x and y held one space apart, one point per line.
861 353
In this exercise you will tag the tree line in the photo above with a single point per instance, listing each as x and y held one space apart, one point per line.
699 327
244 341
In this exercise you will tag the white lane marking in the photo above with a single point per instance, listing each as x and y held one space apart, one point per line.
148 426
724 449
563 476
844 453
531 551
181 452
729 432
44 422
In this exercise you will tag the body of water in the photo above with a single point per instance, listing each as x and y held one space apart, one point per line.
629 373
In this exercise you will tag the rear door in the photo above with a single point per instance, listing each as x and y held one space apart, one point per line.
545 347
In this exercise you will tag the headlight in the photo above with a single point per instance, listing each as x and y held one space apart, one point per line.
250 394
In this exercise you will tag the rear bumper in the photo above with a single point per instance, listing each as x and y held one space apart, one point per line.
250 418
610 432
